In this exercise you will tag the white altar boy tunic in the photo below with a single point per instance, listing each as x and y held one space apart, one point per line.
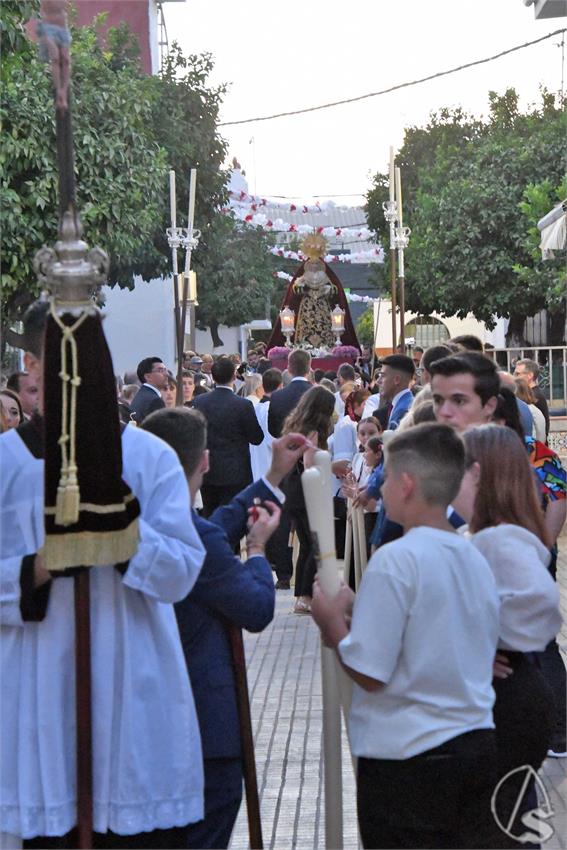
147 765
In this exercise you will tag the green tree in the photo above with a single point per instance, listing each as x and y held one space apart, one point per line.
129 130
120 168
365 327
464 183
239 282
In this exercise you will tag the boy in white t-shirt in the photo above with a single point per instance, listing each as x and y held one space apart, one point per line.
420 649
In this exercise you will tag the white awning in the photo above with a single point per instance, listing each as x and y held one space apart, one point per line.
553 232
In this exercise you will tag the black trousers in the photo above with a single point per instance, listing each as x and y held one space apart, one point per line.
278 551
223 795
524 716
438 799
306 565
158 839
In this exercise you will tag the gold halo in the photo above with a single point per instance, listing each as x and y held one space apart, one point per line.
314 246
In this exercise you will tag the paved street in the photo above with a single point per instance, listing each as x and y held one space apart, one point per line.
285 690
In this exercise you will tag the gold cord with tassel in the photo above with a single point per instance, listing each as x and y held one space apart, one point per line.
68 495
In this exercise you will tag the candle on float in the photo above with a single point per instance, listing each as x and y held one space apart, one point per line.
172 199
392 195
192 186
316 482
399 195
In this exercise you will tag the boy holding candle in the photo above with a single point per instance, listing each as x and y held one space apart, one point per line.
420 649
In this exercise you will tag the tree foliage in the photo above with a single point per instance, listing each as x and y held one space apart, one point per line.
365 327
465 183
129 130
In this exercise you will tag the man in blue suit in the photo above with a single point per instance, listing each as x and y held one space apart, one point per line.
396 375
227 591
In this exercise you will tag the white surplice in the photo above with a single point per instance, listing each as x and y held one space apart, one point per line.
261 456
147 764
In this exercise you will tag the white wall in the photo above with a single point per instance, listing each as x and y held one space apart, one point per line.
455 326
139 323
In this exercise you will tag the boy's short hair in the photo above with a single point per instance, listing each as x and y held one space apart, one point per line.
433 353
182 428
399 362
271 380
435 455
223 370
469 342
483 370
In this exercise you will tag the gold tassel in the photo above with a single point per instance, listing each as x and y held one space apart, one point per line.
71 499
67 503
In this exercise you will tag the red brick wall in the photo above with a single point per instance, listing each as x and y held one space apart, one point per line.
135 13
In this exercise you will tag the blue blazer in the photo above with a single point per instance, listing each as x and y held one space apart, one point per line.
402 406
226 590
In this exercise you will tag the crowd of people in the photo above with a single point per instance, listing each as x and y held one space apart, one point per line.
449 638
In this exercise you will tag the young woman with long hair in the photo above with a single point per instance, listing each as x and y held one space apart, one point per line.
313 417
500 501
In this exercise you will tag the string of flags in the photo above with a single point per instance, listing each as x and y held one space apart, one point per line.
255 202
374 255
278 225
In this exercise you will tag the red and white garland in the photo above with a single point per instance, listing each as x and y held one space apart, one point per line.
375 255
254 202
278 225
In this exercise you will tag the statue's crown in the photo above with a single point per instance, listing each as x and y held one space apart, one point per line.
314 246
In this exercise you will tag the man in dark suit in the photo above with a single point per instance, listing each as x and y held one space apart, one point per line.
152 375
227 590
232 427
284 401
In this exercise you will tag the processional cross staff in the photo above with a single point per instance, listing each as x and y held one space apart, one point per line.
90 519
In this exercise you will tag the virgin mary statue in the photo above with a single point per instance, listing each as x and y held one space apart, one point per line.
312 294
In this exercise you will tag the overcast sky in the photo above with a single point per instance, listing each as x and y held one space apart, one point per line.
279 56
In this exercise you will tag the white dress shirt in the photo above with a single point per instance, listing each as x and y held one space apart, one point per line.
425 623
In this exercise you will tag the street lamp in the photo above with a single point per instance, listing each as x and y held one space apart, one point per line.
338 323
287 318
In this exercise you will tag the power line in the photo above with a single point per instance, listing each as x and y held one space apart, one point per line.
394 88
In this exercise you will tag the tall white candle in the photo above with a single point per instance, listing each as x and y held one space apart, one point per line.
318 493
172 199
399 195
192 186
392 196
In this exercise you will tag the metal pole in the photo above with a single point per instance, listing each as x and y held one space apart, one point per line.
181 339
402 292
393 289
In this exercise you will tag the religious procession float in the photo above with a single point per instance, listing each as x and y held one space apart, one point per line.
314 314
